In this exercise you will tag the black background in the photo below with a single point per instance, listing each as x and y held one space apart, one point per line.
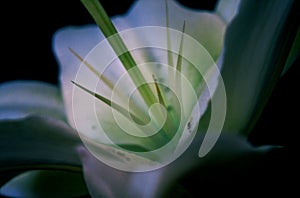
26 31
27 28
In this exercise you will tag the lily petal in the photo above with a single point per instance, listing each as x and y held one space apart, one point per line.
47 184
227 9
206 27
103 180
34 135
19 99
255 51
294 53
36 142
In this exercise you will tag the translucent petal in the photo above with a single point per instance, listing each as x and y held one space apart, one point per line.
254 55
21 98
37 142
45 183
103 180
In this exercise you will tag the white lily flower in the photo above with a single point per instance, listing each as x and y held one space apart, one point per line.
82 40
229 34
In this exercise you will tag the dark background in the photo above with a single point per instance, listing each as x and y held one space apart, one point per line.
26 31
27 28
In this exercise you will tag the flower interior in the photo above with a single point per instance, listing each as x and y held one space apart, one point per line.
163 105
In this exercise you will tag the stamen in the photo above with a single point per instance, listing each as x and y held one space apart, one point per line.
159 93
112 104
170 113
179 63
102 77
111 86
179 58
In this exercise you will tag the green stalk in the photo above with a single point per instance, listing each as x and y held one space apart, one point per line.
169 46
108 29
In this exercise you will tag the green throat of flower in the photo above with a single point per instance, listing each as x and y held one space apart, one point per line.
153 94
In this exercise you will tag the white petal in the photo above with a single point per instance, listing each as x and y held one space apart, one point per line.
37 140
254 42
21 98
206 27
45 183
227 9
82 40
103 180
